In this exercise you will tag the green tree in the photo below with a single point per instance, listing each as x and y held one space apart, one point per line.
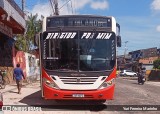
20 43
33 26
156 64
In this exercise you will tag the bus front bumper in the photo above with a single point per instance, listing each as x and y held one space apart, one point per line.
104 94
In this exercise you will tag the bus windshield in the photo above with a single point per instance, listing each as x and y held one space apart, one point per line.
79 51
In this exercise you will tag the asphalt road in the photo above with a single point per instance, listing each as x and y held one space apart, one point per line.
127 93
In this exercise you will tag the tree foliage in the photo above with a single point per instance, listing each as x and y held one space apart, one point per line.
20 43
25 42
156 64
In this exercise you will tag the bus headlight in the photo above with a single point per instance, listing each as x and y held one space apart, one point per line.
107 84
50 83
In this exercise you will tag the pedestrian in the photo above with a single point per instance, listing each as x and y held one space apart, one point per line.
18 75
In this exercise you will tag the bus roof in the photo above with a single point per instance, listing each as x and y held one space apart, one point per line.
100 16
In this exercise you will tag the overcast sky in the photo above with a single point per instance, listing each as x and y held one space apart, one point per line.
139 19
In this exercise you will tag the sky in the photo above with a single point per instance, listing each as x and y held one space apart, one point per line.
139 19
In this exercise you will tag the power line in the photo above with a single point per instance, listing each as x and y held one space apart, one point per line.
52 6
67 6
72 7
64 4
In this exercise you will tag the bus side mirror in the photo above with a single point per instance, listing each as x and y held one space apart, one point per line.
119 41
36 39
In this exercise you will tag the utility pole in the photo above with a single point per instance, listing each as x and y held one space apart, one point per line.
124 60
54 5
125 48
23 5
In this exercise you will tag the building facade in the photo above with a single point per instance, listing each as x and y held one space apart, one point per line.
12 22
144 56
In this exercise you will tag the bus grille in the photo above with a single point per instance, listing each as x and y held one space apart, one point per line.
78 80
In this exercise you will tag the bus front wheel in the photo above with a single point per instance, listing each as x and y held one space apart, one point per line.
99 101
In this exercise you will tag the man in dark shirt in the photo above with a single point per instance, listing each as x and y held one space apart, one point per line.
18 75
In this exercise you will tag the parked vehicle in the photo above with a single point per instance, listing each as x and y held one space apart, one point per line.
1 100
128 73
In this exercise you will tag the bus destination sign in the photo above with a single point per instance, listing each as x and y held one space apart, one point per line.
79 22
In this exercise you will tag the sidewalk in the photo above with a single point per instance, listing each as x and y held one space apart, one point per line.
13 86
8 88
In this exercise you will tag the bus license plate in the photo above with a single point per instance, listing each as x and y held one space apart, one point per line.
78 95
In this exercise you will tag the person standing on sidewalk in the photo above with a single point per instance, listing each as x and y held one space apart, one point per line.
18 75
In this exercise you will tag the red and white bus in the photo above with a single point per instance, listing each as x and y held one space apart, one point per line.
78 57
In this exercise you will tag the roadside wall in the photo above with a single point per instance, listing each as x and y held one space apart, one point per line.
153 75
28 63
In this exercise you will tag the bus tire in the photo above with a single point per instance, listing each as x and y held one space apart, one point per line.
99 101
102 101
